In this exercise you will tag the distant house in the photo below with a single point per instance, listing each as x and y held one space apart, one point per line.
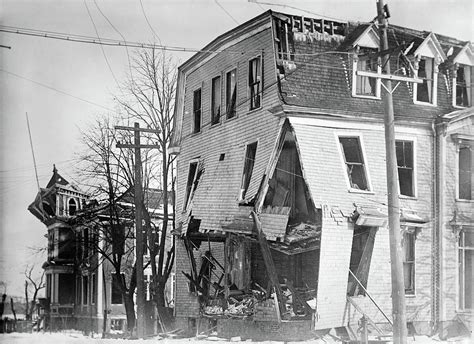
81 286
282 116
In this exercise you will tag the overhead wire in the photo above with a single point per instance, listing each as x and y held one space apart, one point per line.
222 7
148 22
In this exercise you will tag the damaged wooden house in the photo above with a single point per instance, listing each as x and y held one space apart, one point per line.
281 182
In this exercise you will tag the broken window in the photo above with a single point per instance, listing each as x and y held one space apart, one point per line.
116 288
85 289
425 91
216 100
231 93
466 174
250 153
408 241
284 40
192 183
354 161
366 85
463 86
361 255
255 75
466 269
405 165
197 111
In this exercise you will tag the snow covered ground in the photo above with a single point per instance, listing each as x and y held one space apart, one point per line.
78 338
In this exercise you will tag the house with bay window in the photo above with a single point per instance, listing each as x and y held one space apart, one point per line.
281 184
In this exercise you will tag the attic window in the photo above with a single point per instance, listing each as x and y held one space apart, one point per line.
250 153
426 92
231 93
463 90
284 40
255 84
366 86
216 100
197 111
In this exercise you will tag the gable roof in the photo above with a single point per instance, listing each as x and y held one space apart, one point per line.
56 179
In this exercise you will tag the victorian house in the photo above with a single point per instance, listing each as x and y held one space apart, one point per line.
281 182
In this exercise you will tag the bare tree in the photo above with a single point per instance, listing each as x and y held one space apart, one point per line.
35 282
149 98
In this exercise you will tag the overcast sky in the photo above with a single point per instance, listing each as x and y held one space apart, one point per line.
64 85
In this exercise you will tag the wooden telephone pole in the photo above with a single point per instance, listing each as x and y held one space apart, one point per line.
398 285
141 291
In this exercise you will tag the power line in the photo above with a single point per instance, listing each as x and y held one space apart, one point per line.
148 22
230 15
56 90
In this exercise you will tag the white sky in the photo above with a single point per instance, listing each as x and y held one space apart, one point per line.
81 71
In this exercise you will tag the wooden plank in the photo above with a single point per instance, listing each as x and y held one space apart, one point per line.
268 260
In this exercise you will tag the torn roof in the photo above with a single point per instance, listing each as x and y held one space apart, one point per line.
57 179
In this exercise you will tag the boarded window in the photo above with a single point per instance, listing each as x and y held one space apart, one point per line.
405 167
197 111
250 154
255 73
466 269
465 172
191 185
365 85
231 93
85 289
409 262
425 72
463 86
116 288
354 162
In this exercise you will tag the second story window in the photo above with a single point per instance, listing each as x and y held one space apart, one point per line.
197 111
255 84
466 172
216 100
192 183
426 92
405 166
354 161
231 93
463 86
250 153
72 206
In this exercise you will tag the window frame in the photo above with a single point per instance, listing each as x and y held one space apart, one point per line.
434 83
85 290
409 232
468 85
244 177
413 141
355 77
463 145
233 69
259 83
196 130
344 164
213 101
122 275
461 253
190 186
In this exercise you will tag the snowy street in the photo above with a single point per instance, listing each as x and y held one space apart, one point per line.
78 338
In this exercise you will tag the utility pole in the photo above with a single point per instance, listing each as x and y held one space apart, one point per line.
138 220
398 287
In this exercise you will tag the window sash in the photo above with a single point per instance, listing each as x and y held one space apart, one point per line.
354 160
197 104
463 86
426 72
231 93
216 100
405 163
190 185
365 85
254 82
409 262
465 166
466 270
250 154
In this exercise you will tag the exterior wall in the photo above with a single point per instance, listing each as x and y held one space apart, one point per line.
325 172
217 194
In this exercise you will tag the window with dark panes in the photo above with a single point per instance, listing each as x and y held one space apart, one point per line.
249 162
197 111
85 289
409 262
116 293
72 206
405 165
191 185
118 239
466 269
231 93
216 100
66 243
66 288
426 72
255 82
354 160
465 172
464 86
94 289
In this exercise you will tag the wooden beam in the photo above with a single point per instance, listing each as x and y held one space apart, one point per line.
389 77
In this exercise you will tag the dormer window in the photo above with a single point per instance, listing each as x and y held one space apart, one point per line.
463 87
366 86
425 92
